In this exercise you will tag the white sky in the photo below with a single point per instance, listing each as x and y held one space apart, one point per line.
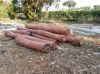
79 3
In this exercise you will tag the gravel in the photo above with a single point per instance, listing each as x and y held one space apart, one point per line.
67 59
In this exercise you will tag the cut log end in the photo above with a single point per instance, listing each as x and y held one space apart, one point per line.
74 40
46 48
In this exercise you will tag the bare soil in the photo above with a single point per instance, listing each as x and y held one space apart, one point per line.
67 59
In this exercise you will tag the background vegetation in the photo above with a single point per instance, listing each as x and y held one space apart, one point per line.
31 10
85 16
3 10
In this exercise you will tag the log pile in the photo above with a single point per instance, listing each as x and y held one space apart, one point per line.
43 38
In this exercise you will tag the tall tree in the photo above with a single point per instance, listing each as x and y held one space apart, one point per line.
70 3
32 8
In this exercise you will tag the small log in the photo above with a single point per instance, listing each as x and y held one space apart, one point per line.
38 46
52 29
98 43
24 32
42 37
74 40
23 28
53 44
10 34
57 37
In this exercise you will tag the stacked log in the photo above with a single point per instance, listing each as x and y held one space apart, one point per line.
25 32
39 46
57 37
43 38
52 29
10 34
52 44
74 40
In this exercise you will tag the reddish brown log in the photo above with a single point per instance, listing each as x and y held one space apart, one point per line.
52 29
24 32
10 34
53 44
42 37
57 37
98 43
74 40
38 46
23 28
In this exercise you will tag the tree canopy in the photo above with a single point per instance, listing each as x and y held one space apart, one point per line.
70 3
31 9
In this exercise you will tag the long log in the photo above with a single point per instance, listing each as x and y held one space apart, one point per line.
98 43
57 37
23 28
52 29
42 37
53 44
24 32
74 40
10 34
38 46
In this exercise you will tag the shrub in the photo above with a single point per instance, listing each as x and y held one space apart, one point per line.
83 16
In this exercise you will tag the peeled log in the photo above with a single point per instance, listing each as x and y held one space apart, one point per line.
24 32
38 46
57 37
74 40
10 34
98 43
42 37
53 44
23 28
48 28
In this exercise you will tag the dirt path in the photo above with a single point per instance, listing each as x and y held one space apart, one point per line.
68 59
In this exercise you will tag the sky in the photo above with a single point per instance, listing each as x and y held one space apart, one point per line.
79 3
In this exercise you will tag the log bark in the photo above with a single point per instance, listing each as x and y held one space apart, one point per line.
42 37
23 28
10 34
57 37
98 43
53 44
74 40
52 29
24 32
38 46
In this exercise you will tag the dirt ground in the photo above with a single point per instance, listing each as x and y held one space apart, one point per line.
67 59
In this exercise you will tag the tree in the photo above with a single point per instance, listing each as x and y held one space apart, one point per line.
32 8
70 3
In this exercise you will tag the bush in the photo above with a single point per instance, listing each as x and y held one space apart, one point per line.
83 16
3 10
11 12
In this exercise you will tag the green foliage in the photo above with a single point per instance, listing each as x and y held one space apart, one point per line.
11 11
3 10
70 3
83 16
31 9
